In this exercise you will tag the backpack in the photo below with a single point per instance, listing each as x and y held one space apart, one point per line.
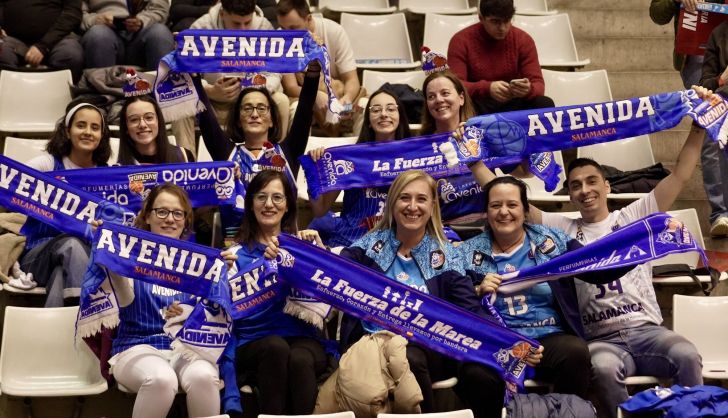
412 100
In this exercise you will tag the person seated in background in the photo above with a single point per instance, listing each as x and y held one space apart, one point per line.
223 89
498 63
296 15
41 32
125 32
182 13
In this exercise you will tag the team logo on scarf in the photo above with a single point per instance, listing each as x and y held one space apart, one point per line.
674 233
140 183
285 259
512 358
547 246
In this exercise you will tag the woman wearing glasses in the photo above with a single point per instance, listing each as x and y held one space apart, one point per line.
280 352
362 208
56 260
142 140
142 358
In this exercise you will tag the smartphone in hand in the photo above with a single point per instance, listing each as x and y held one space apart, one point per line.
119 23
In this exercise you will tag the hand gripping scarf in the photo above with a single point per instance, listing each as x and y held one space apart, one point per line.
645 240
434 323
207 184
220 51
167 262
51 201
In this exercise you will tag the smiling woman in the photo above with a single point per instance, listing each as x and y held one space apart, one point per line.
446 103
58 261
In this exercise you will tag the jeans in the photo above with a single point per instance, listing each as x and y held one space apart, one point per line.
650 350
105 47
715 166
66 54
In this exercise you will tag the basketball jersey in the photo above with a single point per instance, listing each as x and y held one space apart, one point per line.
250 165
271 320
624 303
529 312
142 320
405 271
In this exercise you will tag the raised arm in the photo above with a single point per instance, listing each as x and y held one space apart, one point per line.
295 142
669 188
217 143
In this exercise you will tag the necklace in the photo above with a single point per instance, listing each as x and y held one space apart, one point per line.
504 250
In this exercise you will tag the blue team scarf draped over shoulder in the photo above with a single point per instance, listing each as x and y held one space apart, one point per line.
53 202
645 240
180 265
221 51
207 184
422 318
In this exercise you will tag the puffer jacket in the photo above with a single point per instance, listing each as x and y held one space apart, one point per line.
373 378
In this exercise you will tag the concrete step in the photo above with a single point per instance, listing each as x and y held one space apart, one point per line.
568 5
666 145
626 54
626 84
619 23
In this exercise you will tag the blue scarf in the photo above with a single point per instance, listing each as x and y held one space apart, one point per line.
647 239
523 133
207 184
219 51
53 202
431 322
167 262
712 7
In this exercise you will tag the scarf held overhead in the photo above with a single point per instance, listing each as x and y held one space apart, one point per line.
431 322
647 239
211 183
222 51
53 202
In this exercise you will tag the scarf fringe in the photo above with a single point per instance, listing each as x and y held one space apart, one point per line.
94 327
183 110
303 313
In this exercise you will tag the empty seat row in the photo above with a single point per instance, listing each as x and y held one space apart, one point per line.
527 7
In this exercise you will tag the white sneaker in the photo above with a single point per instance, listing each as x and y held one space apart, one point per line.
719 228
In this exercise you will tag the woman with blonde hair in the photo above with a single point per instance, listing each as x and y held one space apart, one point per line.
408 245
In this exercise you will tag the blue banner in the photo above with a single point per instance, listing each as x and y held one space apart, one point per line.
53 202
220 51
207 184
419 317
645 240
252 289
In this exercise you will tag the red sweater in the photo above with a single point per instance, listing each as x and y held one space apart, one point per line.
478 59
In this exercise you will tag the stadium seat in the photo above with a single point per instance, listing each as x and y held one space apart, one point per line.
570 88
625 154
462 413
23 150
317 142
203 155
379 41
704 322
373 80
554 39
345 414
446 7
532 7
40 358
33 102
536 188
359 6
439 29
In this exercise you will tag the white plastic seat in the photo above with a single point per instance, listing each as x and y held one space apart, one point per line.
704 322
114 158
536 187
39 356
571 88
38 291
318 142
379 41
554 39
454 7
358 6
23 150
625 154
439 29
532 7
462 413
345 414
372 80
203 155
33 102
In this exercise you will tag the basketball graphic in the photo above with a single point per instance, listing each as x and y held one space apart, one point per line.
505 138
136 187
278 161
521 350
258 79
142 84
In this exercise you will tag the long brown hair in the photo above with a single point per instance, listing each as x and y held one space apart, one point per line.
467 110
166 152
367 132
249 228
140 221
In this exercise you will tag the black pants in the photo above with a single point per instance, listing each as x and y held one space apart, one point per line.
488 105
286 371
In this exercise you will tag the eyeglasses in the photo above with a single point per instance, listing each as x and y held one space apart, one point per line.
163 213
276 198
377 110
261 109
148 118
